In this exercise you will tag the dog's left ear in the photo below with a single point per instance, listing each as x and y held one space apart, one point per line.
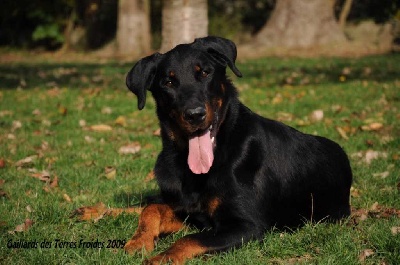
140 77
222 50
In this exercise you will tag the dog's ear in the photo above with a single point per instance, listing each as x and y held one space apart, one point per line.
140 77
222 50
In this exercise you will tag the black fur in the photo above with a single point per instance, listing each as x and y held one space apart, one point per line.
265 174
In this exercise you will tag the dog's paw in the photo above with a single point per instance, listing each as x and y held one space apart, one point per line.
139 243
163 258
95 212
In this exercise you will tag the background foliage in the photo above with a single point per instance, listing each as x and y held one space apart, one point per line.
32 24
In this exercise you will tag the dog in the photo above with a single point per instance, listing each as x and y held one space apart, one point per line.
223 168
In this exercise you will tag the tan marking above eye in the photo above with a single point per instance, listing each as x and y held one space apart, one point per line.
171 73
197 68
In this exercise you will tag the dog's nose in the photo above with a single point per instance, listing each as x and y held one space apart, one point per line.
195 115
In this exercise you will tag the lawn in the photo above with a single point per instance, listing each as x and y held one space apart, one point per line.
71 136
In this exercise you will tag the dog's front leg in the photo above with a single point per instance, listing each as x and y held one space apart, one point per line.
155 219
205 242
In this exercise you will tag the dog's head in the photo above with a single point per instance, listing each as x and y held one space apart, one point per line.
187 84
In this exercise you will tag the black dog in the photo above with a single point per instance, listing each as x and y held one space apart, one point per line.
222 166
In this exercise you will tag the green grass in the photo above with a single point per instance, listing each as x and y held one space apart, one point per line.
42 104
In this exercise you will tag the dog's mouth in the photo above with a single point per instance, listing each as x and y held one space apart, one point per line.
201 148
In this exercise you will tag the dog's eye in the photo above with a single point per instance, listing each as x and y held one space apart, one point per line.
204 73
169 84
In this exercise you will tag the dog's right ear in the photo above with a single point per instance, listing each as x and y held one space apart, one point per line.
140 77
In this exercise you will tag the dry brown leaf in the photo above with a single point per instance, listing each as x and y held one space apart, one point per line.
43 176
395 230
382 175
27 161
316 115
277 99
110 172
106 110
29 209
365 254
67 198
342 133
82 123
3 194
374 206
121 121
25 226
157 132
354 192
62 110
16 125
101 128
2 163
375 126
54 182
149 176
131 148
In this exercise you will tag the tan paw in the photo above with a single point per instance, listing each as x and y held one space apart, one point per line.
137 244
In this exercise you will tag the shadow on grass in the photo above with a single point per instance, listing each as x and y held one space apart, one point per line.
28 76
137 199
278 71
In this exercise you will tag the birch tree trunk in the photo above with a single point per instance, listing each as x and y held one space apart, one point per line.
133 29
183 21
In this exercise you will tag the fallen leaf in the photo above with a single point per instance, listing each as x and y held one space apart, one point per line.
62 110
382 175
354 192
316 115
2 163
395 230
27 161
372 155
131 148
149 176
36 112
342 133
23 227
89 139
16 125
284 116
54 182
29 209
82 123
67 198
374 206
110 172
277 99
157 132
101 128
121 121
375 126
43 176
3 194
365 254
106 110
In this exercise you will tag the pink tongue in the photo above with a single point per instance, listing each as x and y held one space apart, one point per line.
201 154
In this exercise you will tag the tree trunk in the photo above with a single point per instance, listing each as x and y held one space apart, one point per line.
133 29
301 23
345 13
183 21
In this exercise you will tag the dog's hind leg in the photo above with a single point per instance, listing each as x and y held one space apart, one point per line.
156 219
206 242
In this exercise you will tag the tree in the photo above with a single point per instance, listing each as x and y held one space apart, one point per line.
183 21
133 30
301 23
